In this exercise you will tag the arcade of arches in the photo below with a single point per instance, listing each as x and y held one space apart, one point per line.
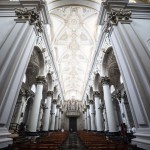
75 65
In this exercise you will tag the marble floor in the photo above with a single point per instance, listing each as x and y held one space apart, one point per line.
73 143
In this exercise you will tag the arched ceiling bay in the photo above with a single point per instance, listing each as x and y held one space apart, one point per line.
73 35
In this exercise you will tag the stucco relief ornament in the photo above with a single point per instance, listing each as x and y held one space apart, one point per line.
32 15
115 16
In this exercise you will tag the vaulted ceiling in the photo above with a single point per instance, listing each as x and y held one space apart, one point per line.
73 37
74 32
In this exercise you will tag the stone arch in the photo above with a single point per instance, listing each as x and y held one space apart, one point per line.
26 116
49 82
55 94
36 66
41 60
110 67
83 3
96 82
91 93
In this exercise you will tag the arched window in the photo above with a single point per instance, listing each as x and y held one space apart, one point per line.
33 88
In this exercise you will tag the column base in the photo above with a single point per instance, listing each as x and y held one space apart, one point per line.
93 131
113 133
4 139
100 132
32 133
51 130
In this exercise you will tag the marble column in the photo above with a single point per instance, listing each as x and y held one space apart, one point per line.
40 120
98 117
46 118
85 119
36 104
88 119
92 115
124 115
57 118
105 120
59 124
18 109
53 114
109 105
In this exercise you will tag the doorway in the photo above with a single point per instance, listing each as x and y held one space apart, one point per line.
73 124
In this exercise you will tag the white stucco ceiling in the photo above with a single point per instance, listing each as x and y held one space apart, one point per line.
73 37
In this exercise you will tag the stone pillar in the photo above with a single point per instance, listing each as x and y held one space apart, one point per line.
57 118
124 115
59 124
92 115
53 114
46 118
85 119
88 119
109 105
40 119
105 120
18 109
36 104
130 36
99 117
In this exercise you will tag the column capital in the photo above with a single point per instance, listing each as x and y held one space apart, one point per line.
105 80
116 16
40 79
30 15
49 93
91 101
54 101
57 106
87 106
96 94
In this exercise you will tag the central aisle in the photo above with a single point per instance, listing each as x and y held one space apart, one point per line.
73 143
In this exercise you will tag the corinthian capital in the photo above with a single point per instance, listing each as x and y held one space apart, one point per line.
96 94
91 101
105 80
49 93
40 79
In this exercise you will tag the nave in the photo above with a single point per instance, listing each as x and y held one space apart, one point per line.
77 66
80 140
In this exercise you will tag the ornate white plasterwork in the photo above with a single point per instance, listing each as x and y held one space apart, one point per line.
73 44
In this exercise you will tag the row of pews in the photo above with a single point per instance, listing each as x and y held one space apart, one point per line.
51 141
94 141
